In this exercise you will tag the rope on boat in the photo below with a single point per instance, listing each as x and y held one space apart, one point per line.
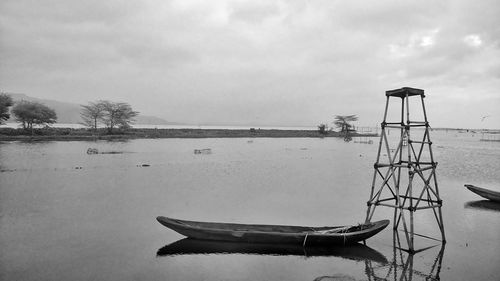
334 230
340 230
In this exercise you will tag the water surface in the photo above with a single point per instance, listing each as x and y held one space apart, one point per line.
65 214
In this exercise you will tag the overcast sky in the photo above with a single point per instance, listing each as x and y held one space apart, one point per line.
257 62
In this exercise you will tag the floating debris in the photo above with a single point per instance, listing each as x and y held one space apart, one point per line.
92 151
112 152
96 151
203 151
7 170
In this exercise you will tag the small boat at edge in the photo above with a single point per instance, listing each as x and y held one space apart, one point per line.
280 234
483 192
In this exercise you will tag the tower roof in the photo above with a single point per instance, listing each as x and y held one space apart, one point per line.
402 92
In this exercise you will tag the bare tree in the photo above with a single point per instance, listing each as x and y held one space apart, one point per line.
343 122
117 114
91 114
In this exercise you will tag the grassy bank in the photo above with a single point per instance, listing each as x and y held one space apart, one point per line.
11 134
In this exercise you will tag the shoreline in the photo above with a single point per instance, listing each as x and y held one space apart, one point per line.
68 134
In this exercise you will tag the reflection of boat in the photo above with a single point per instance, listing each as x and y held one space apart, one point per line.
483 205
483 192
188 246
281 234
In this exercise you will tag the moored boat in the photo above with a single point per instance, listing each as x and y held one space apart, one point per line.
280 234
483 192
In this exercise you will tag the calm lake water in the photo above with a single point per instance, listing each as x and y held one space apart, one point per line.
67 215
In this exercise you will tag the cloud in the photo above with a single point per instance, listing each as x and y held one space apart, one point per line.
268 61
254 12
473 40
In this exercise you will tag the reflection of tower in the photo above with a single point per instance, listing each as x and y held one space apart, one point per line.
404 267
405 175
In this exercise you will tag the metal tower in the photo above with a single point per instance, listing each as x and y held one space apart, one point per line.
405 170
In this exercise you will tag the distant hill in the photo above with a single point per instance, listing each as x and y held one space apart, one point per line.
69 113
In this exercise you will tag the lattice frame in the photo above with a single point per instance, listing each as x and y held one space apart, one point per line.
389 189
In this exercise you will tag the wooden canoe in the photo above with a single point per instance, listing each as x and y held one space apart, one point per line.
279 234
483 192
189 246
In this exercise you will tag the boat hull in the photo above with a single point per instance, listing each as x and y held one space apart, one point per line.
485 193
271 234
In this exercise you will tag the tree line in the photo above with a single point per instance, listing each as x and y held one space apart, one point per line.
103 112
110 114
